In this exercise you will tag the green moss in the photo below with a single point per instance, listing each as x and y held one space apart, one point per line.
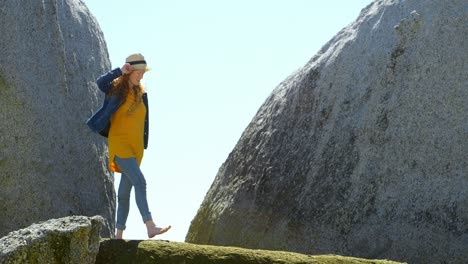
52 249
164 252
3 86
9 97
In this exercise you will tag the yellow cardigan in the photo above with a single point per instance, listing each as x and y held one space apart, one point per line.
125 132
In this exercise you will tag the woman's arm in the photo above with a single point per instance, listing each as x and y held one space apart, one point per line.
104 82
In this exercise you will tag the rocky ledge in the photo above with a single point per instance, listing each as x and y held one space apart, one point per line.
73 239
165 252
76 239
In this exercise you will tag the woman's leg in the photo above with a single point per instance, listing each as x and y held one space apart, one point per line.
133 173
123 194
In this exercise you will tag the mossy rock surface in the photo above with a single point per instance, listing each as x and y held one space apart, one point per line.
72 240
165 252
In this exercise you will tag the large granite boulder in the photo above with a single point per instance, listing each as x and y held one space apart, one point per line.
73 239
361 152
51 165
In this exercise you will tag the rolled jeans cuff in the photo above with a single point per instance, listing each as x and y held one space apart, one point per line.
120 227
147 218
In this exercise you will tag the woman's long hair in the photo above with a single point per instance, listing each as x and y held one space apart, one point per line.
121 87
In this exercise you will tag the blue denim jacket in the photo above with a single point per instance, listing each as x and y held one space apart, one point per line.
99 122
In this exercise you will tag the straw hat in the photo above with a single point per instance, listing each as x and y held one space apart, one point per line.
137 61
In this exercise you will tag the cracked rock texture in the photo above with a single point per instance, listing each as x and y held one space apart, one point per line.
73 239
363 151
51 165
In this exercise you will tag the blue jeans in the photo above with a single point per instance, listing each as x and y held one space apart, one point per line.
131 176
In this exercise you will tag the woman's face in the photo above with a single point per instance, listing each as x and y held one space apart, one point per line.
135 77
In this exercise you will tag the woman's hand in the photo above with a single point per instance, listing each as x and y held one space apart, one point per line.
126 68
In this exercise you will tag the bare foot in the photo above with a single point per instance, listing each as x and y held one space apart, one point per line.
153 231
119 234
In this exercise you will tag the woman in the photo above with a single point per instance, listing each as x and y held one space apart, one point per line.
123 118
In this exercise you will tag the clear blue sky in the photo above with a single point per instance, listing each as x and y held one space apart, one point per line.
213 64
